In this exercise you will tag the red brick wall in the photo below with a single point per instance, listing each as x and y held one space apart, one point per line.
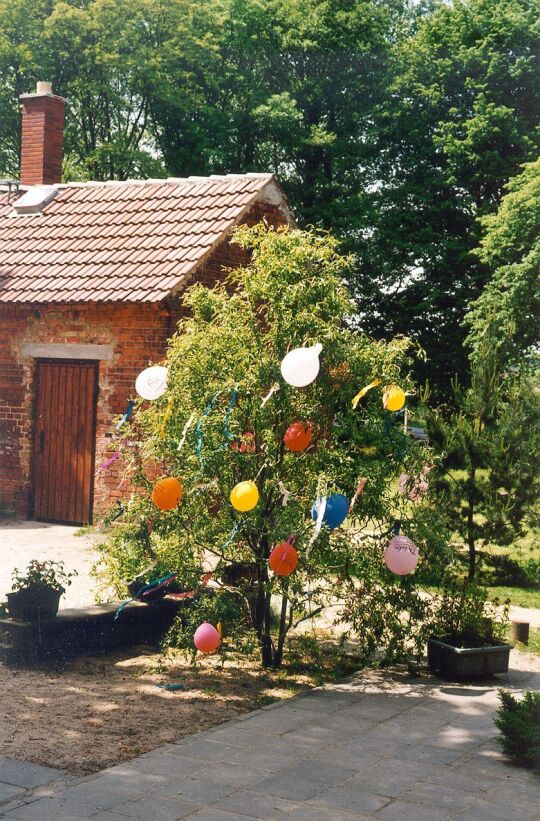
42 145
138 334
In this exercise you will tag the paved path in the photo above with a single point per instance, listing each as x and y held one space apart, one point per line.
530 614
22 541
379 746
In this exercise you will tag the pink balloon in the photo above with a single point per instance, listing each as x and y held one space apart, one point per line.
206 638
401 555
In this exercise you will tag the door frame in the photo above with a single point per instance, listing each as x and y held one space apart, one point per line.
51 361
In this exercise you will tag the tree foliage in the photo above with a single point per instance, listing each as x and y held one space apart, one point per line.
393 125
457 122
486 478
289 296
509 307
519 723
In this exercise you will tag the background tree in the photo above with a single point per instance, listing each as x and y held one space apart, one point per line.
509 306
486 477
394 126
457 122
290 295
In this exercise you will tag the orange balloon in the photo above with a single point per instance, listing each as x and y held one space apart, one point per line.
298 436
167 493
283 559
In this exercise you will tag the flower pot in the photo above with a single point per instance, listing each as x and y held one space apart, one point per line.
33 603
449 661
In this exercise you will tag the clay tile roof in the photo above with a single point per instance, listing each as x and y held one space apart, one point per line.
122 241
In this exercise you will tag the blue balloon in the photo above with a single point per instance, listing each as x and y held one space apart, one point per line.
337 507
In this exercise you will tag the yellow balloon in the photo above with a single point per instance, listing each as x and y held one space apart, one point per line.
393 398
244 496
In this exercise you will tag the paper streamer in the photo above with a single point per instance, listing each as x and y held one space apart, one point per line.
187 426
126 415
232 403
198 429
187 595
164 583
359 489
155 584
321 510
274 389
207 410
361 393
285 494
166 415
109 462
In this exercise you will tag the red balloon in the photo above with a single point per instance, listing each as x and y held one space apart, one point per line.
283 559
298 436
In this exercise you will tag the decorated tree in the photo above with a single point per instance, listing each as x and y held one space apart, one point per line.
285 477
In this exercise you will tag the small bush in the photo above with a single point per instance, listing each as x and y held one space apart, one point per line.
519 723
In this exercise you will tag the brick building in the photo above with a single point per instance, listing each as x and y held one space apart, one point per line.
91 278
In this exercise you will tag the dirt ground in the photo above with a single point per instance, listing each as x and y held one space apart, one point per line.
98 711
101 710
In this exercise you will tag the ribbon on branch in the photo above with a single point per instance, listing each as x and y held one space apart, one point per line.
126 416
166 415
110 461
359 489
155 584
190 593
363 391
274 389
321 510
187 426
206 412
285 494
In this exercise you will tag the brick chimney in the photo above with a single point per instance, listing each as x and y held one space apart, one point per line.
42 147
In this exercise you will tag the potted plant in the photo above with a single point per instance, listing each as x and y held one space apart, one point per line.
467 633
36 592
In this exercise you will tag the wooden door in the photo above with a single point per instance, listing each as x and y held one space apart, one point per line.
64 441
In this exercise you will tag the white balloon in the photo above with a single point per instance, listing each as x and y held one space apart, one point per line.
301 366
152 382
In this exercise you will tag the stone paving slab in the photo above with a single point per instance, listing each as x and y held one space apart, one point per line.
379 746
26 775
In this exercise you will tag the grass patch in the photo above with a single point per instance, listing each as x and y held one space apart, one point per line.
519 596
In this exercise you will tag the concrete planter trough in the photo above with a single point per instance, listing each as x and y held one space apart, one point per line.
449 661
